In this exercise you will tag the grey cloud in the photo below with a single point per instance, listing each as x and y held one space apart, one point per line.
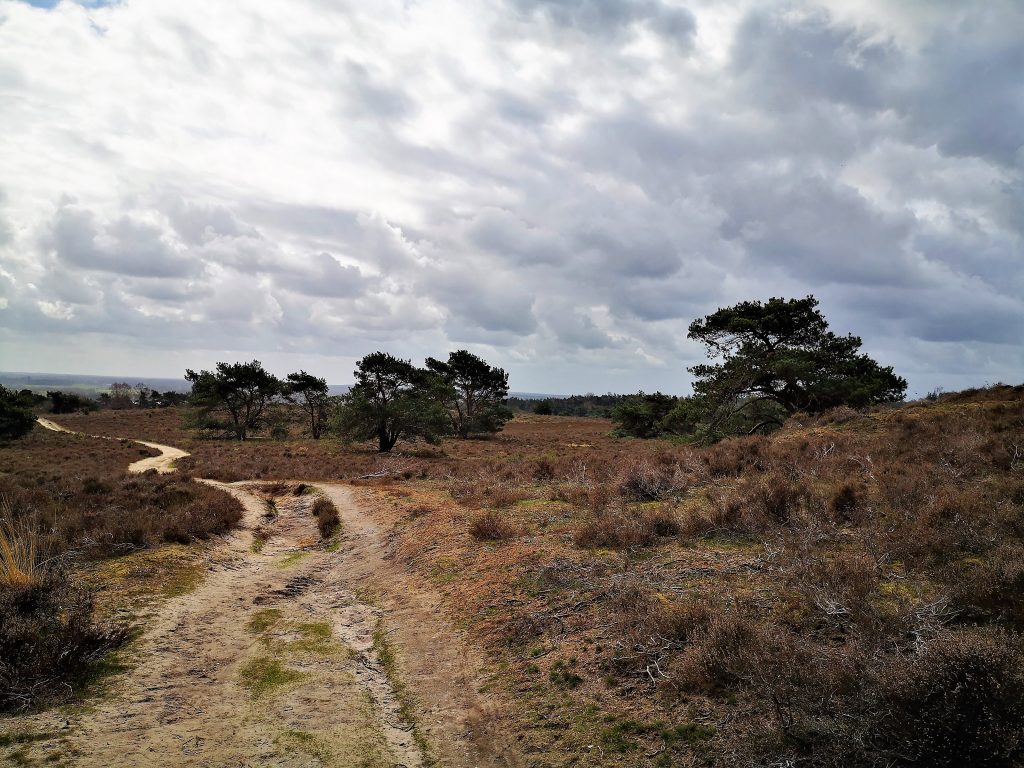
197 223
5 228
491 302
575 328
322 275
366 96
502 232
124 246
787 59
556 190
611 20
820 231
306 221
968 96
639 253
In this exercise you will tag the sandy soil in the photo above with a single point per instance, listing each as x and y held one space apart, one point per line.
164 463
276 659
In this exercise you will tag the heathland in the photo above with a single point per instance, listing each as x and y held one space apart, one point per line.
846 591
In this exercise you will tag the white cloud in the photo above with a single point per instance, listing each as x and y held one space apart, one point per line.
561 184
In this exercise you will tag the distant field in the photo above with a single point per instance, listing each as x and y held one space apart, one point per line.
84 384
92 386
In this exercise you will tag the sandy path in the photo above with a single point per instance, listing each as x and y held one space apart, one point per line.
164 463
296 613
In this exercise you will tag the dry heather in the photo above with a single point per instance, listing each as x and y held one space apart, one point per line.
847 592
66 503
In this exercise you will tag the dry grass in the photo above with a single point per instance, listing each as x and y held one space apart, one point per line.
69 508
801 594
19 550
846 592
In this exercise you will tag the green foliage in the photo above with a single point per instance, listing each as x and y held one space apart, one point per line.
544 408
392 400
312 396
574 405
777 358
642 415
235 397
66 402
475 393
782 353
16 417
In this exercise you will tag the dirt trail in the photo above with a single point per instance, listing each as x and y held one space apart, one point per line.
164 463
292 652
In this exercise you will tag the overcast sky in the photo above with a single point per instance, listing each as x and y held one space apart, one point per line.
558 185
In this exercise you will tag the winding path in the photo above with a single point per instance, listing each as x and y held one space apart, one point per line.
276 657
164 463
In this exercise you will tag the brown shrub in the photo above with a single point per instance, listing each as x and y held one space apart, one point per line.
491 526
837 591
720 652
959 703
645 481
49 639
327 518
846 502
731 458
616 528
990 588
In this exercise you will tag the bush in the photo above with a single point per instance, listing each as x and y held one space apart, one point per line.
991 589
721 651
959 703
327 519
643 481
65 402
615 528
105 516
491 526
16 418
49 639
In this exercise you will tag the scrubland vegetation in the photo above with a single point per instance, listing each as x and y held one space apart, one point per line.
844 591
793 569
67 505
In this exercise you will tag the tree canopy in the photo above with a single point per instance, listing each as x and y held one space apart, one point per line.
16 417
643 415
475 394
312 395
781 354
234 397
392 399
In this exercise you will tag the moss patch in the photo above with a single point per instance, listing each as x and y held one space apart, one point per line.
263 620
291 559
263 675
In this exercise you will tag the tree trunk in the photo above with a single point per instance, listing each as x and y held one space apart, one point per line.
385 440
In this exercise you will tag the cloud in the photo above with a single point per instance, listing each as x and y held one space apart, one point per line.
125 245
560 184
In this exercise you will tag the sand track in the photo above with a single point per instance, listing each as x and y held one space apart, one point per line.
272 659
164 463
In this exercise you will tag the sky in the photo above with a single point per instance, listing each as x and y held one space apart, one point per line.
560 186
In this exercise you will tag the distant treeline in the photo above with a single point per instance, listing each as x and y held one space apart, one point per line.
600 406
122 396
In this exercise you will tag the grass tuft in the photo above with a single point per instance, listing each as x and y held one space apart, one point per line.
263 675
